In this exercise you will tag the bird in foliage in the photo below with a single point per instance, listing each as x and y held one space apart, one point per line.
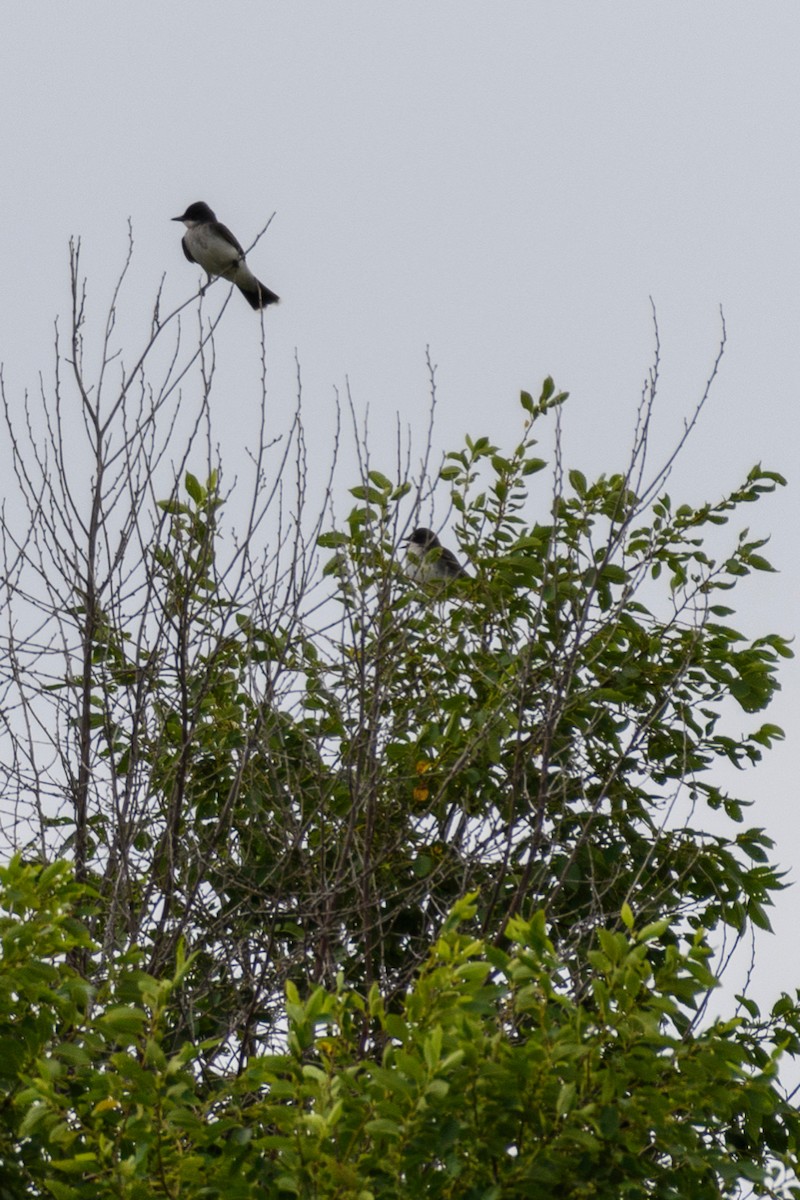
429 561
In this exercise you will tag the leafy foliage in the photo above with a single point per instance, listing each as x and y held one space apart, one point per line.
276 786
492 1079
302 802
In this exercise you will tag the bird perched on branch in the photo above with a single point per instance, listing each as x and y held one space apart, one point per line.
429 561
213 247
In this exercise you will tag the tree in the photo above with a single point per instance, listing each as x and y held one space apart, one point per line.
273 782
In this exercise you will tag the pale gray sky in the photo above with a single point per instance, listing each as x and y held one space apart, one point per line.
507 183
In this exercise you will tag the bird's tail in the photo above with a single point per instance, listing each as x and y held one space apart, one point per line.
256 294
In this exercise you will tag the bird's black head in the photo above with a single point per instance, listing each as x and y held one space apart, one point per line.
197 212
426 539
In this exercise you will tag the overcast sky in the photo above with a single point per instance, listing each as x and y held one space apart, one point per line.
506 183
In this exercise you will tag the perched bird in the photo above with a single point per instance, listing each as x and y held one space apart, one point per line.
213 247
429 561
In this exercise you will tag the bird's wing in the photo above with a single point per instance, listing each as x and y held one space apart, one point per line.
224 232
186 251
453 563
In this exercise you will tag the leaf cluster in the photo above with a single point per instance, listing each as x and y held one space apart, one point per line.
489 1080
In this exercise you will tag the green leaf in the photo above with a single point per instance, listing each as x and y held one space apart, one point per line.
367 493
194 488
566 1098
382 1126
380 481
123 1020
332 541
653 930
578 481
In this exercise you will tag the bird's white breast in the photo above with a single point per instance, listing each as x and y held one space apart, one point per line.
212 252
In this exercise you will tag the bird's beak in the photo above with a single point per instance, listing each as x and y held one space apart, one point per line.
176 218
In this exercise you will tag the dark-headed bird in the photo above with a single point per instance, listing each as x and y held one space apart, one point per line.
429 561
213 247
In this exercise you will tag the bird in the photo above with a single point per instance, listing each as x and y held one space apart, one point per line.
212 246
429 561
